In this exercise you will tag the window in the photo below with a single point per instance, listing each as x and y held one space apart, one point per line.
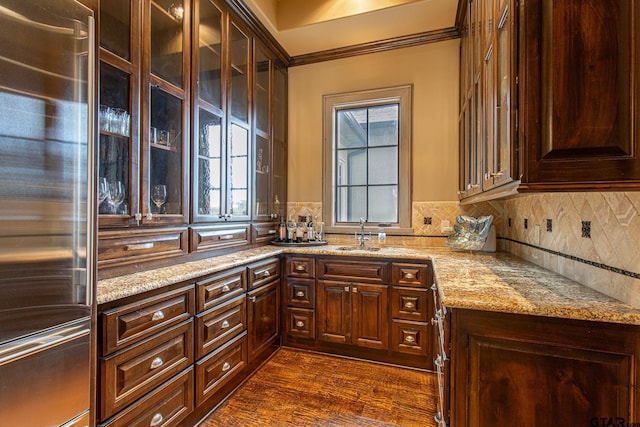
367 168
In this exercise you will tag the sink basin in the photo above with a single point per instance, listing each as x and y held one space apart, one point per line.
357 248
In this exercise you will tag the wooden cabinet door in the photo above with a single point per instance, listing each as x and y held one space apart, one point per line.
263 318
370 310
334 311
577 96
543 372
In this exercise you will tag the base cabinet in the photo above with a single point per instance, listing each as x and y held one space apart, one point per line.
170 356
521 370
377 309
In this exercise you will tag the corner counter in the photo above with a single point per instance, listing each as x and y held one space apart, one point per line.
496 282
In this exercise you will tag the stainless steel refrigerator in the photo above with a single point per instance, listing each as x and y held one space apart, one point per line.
46 212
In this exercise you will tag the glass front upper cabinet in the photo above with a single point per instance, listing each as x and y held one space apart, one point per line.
118 151
165 114
167 40
261 90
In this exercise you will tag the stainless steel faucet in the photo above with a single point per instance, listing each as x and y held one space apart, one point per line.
362 238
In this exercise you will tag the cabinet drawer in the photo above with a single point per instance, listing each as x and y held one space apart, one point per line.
300 267
220 324
220 367
417 275
166 406
301 323
410 304
220 287
133 372
300 293
120 247
219 237
263 233
127 324
263 272
411 337
356 271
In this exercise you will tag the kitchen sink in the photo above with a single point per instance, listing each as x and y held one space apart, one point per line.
357 248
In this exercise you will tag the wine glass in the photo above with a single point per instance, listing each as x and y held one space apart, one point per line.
103 190
159 196
116 194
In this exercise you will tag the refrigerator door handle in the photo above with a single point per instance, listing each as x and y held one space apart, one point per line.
23 347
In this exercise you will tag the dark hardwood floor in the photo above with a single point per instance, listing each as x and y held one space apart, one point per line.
299 388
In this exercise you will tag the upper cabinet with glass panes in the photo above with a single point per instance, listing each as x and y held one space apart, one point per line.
222 133
142 162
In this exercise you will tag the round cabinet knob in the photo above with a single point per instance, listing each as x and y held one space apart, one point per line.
409 276
156 420
156 363
299 294
225 324
299 267
266 273
410 339
409 304
300 324
226 366
226 288
158 315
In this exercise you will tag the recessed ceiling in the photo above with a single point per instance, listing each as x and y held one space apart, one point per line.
307 26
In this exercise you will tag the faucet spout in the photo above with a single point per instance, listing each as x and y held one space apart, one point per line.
362 238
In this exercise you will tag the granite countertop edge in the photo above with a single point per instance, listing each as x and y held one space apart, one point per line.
498 282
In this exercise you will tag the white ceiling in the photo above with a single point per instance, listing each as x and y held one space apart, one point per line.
307 26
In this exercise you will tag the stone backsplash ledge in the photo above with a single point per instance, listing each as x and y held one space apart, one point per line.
590 237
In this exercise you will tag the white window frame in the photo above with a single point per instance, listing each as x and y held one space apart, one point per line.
401 95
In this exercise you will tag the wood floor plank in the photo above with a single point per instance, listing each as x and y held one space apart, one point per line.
300 388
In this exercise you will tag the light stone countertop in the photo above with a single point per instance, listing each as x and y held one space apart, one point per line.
480 281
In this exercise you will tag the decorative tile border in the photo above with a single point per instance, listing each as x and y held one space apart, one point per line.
575 258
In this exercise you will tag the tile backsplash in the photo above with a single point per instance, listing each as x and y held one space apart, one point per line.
590 237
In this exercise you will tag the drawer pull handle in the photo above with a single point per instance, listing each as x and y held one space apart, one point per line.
299 294
409 276
272 232
300 324
300 267
156 363
156 420
410 339
139 246
226 288
225 324
226 366
158 315
409 304
265 273
225 237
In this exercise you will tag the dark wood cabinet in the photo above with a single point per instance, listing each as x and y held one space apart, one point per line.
578 101
378 309
299 299
547 96
263 310
353 313
334 311
192 97
146 358
523 370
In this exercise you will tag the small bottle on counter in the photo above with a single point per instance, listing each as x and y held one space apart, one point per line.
311 235
282 230
291 230
382 234
301 229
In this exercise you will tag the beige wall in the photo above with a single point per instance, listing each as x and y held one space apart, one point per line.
433 71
